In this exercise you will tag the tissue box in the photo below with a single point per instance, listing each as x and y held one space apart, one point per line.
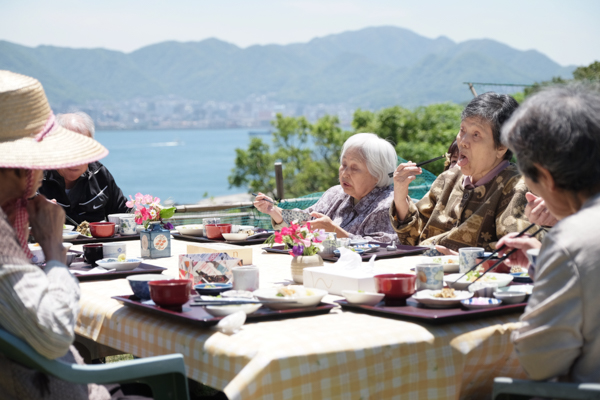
335 280
243 253
213 267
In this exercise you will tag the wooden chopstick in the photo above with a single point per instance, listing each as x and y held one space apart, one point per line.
501 259
495 252
391 174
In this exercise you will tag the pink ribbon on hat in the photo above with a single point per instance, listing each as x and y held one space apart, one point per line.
21 215
47 128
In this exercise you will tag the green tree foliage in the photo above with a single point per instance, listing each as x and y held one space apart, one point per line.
418 135
589 73
310 153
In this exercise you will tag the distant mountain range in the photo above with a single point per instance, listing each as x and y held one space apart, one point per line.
372 67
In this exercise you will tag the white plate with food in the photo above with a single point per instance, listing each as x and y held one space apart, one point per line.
190 230
493 277
68 228
120 265
292 296
450 263
445 298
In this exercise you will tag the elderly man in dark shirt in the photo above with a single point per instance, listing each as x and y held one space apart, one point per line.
87 192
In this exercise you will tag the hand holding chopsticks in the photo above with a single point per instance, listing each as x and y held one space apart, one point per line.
495 252
501 259
391 174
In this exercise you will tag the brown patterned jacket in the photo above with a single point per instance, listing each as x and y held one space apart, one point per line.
454 217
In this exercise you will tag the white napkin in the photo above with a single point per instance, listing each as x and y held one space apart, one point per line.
97 270
232 323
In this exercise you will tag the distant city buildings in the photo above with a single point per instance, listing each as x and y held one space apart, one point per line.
173 112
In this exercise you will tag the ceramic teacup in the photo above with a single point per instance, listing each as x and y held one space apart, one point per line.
128 225
116 218
113 250
245 277
93 253
430 276
467 257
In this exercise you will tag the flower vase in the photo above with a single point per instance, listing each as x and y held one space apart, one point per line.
301 262
155 241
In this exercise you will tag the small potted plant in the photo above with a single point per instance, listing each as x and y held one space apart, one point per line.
303 243
155 239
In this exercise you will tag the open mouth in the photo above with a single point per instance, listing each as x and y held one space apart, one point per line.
462 160
346 184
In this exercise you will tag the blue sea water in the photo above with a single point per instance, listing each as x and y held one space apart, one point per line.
182 165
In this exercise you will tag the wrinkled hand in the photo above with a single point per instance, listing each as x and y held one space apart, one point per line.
46 220
262 204
446 251
322 221
523 243
537 212
406 173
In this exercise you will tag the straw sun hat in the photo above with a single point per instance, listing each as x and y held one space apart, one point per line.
29 137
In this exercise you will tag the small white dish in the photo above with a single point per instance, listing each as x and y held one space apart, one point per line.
510 297
235 236
426 297
478 303
358 242
113 263
450 263
286 303
493 277
527 289
359 297
221 311
237 294
68 228
70 235
191 230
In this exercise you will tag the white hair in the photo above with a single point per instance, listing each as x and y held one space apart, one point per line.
379 155
78 122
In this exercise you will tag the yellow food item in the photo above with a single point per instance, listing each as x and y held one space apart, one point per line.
445 293
122 257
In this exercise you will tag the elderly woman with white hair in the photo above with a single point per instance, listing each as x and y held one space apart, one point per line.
358 206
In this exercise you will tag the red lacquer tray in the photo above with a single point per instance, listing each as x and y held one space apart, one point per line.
418 312
201 239
116 238
199 316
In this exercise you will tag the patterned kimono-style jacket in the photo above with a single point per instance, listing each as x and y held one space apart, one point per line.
454 217
366 220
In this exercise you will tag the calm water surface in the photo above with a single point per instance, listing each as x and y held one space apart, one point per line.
182 165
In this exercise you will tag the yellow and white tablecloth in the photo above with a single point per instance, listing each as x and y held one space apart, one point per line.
341 355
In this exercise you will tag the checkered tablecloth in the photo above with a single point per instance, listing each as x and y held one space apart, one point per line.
341 355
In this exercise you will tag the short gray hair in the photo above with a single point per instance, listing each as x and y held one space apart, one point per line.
559 129
78 122
378 154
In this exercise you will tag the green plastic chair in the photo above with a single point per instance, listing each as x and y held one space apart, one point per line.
164 374
507 388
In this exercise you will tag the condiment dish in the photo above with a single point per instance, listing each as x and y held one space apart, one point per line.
360 297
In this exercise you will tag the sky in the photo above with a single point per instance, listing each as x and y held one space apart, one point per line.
566 31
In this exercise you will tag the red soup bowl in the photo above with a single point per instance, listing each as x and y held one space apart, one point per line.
170 293
102 229
215 231
396 287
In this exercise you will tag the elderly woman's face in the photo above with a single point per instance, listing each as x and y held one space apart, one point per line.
355 178
477 152
72 174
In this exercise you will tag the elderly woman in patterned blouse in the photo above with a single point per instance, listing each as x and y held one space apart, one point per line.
472 205
358 206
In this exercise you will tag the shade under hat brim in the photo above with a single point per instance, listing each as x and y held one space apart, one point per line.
60 148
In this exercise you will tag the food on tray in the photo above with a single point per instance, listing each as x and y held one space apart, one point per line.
446 261
516 269
445 293
471 276
84 228
294 292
